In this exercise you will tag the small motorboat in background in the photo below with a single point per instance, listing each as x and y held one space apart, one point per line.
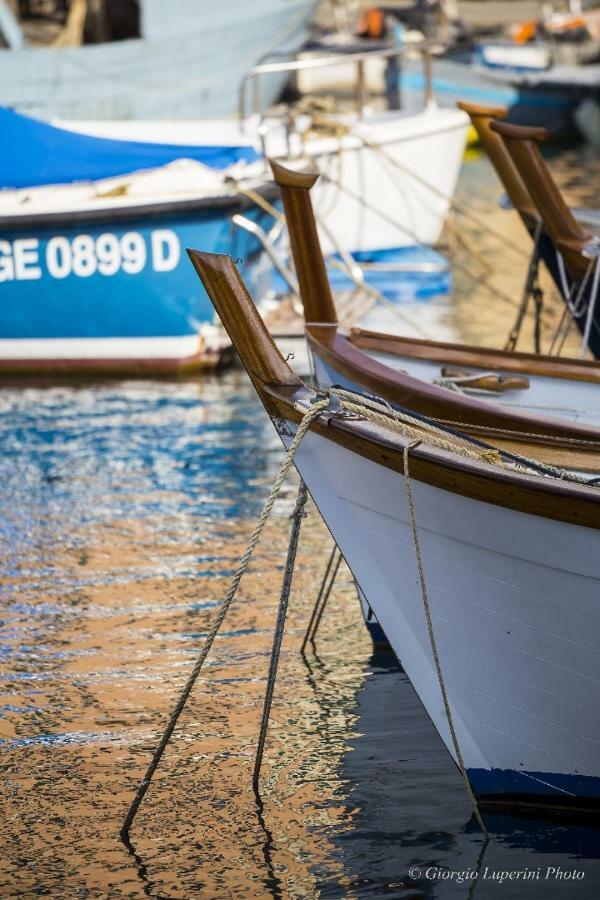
546 73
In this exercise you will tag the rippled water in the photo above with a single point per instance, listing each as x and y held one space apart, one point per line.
123 512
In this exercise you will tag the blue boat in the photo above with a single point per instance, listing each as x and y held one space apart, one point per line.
92 273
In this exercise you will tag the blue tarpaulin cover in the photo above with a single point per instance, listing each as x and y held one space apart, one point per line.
33 152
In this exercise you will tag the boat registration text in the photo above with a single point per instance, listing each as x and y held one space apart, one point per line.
27 259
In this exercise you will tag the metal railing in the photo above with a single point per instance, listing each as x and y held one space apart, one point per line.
334 59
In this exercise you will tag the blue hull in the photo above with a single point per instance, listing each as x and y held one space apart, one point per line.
518 787
115 278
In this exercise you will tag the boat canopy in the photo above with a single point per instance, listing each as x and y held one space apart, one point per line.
35 153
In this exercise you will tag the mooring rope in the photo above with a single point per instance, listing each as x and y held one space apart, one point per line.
432 639
296 517
308 417
417 431
377 147
414 428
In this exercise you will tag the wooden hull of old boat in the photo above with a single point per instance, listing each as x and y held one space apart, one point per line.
513 599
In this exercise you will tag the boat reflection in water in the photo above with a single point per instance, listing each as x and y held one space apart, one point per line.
124 510
410 813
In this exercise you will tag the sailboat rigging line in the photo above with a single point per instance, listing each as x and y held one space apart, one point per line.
574 305
321 403
327 583
296 517
454 204
434 651
354 271
531 285
593 301
495 292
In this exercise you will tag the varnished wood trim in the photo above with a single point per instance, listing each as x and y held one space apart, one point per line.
565 231
295 178
521 132
263 361
478 357
481 118
550 498
315 291
319 307
333 347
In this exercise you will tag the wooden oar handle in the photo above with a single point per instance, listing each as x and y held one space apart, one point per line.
497 384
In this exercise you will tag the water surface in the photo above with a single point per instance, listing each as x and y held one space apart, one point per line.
123 512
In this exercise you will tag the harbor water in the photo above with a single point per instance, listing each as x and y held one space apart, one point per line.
124 510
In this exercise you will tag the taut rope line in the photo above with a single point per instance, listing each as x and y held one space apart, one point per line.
286 587
417 431
308 417
433 642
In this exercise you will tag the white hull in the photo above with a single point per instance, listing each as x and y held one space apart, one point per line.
100 348
514 601
429 144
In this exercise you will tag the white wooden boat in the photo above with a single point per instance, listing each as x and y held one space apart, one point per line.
510 563
516 395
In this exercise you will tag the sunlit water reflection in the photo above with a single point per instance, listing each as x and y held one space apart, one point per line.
124 510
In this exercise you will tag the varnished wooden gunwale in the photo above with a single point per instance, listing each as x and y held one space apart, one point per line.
279 389
546 439
548 498
565 231
477 357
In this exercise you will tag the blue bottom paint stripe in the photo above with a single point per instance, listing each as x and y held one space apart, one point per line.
507 783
